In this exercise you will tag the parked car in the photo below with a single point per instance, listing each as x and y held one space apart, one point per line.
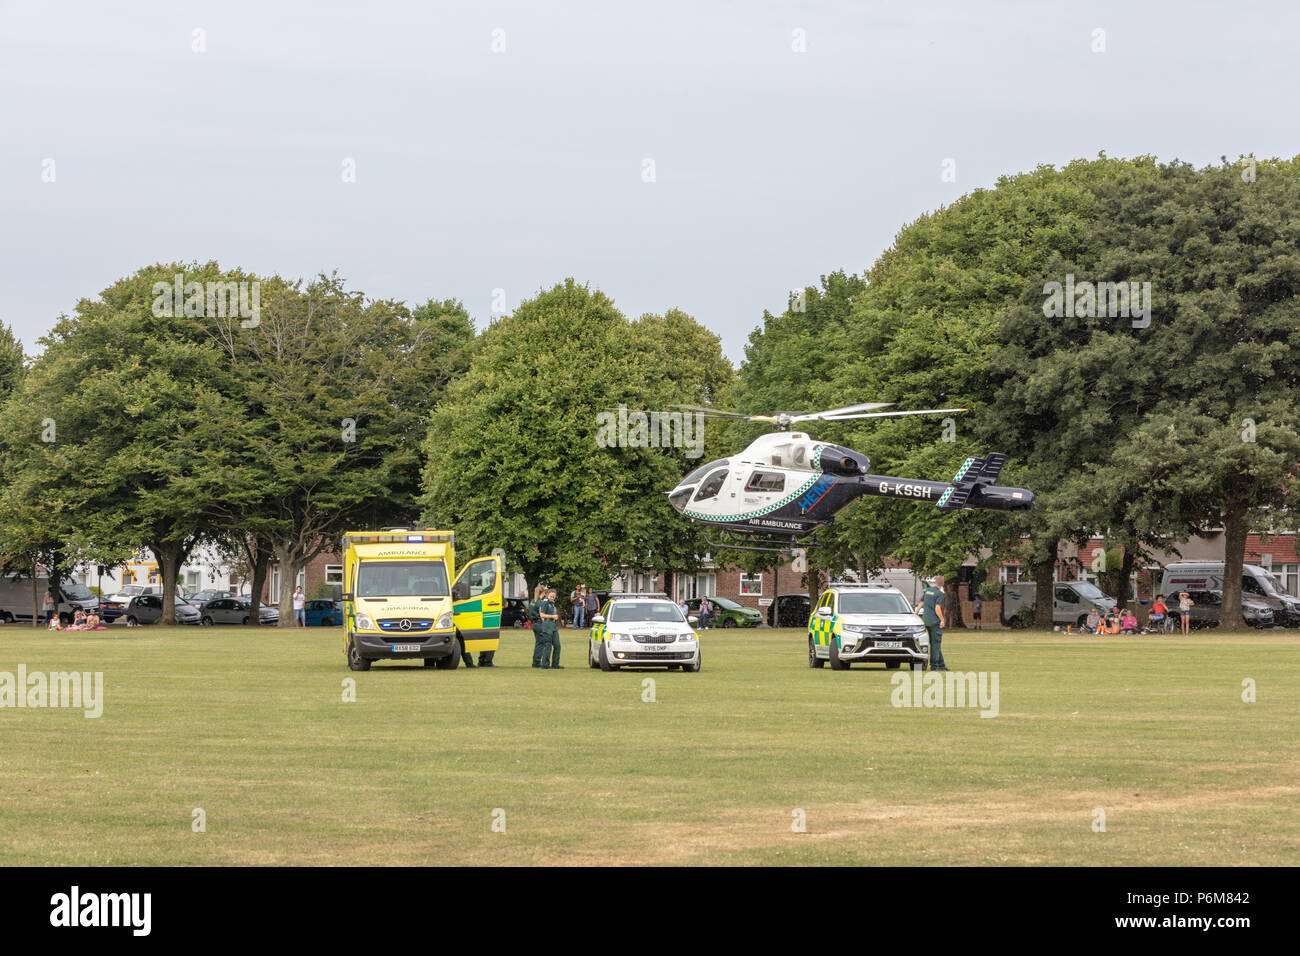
1257 584
237 611
794 610
1207 606
1072 601
200 598
515 613
866 623
727 613
148 608
640 631
322 613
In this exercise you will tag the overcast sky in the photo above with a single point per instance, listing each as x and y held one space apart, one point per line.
478 170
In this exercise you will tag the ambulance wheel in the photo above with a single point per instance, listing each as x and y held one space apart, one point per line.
605 665
451 662
355 661
923 665
813 659
694 666
891 665
836 663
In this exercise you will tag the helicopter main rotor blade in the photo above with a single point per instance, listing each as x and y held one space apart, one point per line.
833 413
919 411
715 412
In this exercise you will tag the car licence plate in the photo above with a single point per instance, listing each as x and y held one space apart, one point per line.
654 648
889 643
401 648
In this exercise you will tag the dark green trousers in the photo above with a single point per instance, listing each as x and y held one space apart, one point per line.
542 646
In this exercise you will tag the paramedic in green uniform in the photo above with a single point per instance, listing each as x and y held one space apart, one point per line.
550 616
932 615
539 632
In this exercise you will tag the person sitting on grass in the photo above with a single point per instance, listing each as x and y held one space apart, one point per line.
55 624
94 622
1110 624
1093 621
78 621
1128 623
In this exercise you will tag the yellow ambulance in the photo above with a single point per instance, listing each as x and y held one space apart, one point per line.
405 599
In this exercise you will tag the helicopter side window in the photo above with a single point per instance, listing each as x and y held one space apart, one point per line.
766 481
712 485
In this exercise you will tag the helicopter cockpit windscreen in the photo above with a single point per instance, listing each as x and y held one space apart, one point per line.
712 485
873 602
700 472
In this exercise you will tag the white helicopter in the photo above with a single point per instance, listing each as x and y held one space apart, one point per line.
786 484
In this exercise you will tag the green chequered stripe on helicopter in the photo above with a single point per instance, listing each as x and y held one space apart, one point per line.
816 463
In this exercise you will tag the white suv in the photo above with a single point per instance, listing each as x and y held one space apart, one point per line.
866 623
643 631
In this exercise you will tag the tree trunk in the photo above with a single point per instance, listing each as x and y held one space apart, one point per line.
1044 580
170 557
1234 556
290 564
258 552
1122 594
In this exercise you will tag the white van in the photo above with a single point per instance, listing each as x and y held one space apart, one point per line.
1256 583
1071 604
16 598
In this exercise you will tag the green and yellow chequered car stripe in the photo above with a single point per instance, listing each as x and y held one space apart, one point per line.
822 629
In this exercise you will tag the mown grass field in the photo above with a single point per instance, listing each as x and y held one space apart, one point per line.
252 728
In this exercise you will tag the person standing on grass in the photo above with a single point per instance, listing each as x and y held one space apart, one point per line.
935 618
1185 610
593 603
299 607
578 599
546 648
48 606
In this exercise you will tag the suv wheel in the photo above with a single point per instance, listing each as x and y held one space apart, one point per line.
836 663
605 665
892 665
813 659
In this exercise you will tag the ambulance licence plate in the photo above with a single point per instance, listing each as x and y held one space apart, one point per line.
403 648
889 643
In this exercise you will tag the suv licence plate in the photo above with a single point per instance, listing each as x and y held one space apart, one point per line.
401 648
889 644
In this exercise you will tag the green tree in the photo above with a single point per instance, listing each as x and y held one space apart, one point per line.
521 455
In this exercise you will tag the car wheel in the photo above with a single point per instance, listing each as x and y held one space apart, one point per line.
6 617
591 657
694 666
1082 622
605 665
325 622
448 663
836 663
892 665
131 621
206 621
355 661
729 622
813 659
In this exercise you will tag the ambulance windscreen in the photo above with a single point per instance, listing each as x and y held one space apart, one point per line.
401 579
